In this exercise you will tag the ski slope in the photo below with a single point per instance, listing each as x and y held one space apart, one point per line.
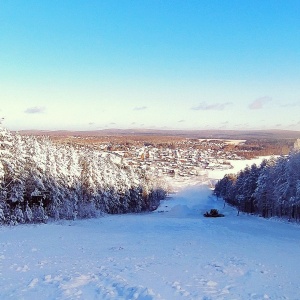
172 253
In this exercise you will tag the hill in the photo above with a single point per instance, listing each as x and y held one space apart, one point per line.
206 134
174 253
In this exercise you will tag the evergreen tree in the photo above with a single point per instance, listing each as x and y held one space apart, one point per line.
39 178
28 216
39 214
269 190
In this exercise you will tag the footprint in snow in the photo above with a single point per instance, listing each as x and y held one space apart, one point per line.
176 285
211 283
25 268
104 285
255 296
33 283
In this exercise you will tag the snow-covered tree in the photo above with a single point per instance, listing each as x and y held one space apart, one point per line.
41 179
271 189
18 213
39 213
28 216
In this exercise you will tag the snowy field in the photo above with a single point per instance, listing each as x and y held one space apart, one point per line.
172 253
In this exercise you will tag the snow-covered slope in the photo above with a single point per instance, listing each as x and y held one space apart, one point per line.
172 253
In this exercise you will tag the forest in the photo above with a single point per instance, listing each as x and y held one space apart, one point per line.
40 179
271 189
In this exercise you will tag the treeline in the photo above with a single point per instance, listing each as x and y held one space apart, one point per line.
265 147
271 189
41 179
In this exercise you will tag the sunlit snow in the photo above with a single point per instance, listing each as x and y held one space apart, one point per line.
171 253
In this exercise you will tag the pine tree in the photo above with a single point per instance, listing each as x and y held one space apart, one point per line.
19 214
40 215
67 181
28 216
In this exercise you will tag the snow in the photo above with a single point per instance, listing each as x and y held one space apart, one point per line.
172 253
232 142
237 165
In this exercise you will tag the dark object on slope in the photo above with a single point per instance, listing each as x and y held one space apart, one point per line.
214 213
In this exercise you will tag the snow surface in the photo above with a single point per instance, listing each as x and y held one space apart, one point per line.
172 253
237 165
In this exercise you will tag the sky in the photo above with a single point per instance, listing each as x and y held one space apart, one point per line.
90 65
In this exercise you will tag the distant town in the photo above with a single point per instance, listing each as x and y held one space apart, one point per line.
178 156
189 158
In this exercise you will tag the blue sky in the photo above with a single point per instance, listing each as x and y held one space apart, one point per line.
150 64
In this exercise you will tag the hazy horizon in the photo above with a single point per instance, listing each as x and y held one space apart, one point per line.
187 65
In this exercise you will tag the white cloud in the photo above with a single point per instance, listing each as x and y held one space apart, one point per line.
259 102
140 108
214 106
35 110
